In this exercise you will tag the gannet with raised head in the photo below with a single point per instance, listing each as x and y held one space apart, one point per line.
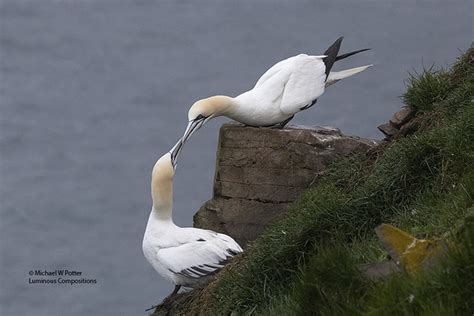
290 86
187 257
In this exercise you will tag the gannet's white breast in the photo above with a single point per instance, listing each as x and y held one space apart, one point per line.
282 91
186 256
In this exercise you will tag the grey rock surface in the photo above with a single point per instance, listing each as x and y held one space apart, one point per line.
402 116
401 124
260 172
388 129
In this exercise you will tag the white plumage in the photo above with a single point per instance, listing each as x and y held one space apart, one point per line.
290 86
281 92
185 256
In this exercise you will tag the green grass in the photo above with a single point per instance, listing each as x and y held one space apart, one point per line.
331 284
423 183
426 89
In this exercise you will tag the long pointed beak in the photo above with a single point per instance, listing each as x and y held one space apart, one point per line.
192 127
175 152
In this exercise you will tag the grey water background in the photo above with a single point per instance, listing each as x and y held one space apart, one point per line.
93 92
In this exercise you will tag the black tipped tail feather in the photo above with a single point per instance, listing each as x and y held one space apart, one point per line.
351 53
332 57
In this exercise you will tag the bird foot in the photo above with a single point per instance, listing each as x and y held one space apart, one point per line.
282 125
152 307
175 291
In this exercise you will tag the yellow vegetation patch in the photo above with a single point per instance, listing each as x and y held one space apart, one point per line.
409 251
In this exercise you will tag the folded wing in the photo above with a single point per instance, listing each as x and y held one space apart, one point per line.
305 83
199 258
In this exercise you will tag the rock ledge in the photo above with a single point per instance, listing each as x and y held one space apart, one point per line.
261 171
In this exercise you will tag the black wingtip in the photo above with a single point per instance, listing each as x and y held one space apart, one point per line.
331 54
339 40
334 46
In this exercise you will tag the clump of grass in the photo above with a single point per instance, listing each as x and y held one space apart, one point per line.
329 283
349 173
438 213
427 88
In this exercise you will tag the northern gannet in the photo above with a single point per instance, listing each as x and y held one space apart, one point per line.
290 86
188 257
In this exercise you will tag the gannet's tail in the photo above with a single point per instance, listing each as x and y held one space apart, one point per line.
335 76
351 53
332 56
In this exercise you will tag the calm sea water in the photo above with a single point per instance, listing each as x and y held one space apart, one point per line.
93 92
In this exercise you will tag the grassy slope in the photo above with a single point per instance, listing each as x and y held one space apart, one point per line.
423 183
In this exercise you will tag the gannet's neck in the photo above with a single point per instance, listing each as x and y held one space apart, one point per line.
222 104
162 187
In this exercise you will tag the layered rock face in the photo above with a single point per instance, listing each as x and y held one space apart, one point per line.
261 171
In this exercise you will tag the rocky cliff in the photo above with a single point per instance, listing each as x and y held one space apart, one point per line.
261 171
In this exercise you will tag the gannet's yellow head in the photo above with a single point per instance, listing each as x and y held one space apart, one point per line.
205 109
163 168
199 113
162 182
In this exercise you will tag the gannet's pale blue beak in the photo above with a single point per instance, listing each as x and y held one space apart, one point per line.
193 126
175 153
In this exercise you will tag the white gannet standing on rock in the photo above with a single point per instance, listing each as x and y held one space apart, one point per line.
290 86
187 257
